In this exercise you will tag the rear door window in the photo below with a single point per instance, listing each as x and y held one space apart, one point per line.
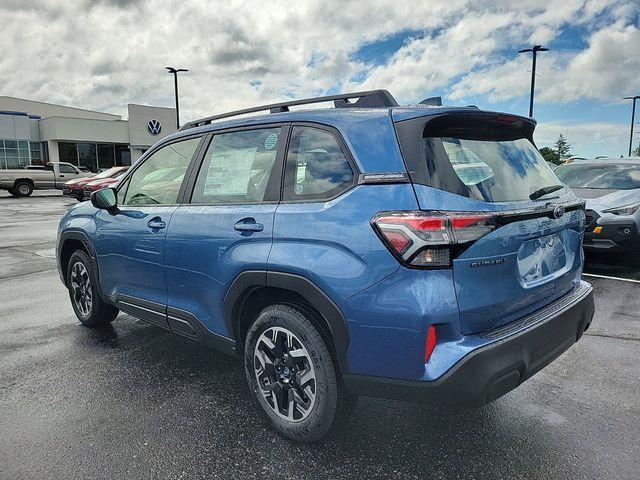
239 167
317 168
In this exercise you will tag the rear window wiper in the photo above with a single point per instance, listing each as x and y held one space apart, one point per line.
541 192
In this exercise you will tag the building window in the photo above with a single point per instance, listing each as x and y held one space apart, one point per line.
123 155
36 153
106 155
87 156
68 152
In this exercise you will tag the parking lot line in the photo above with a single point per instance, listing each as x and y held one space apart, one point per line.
610 278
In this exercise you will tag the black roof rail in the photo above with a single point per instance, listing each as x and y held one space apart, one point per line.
366 99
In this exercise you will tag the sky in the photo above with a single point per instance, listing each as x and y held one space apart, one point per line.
104 54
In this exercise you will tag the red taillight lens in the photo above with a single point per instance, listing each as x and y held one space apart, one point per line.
432 339
424 239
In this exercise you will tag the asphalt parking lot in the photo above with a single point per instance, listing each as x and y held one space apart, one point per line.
133 401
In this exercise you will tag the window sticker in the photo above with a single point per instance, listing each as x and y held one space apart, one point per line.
229 172
271 141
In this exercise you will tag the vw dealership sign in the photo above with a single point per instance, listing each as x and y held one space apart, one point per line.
154 127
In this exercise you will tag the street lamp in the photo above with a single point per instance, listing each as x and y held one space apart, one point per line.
535 49
633 118
175 72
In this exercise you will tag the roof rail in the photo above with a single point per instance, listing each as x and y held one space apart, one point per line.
367 99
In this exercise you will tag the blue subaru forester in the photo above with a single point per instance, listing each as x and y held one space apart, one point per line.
418 252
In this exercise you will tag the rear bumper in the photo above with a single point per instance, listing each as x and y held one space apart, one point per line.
497 368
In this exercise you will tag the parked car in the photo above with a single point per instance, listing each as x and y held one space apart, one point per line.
76 188
611 187
417 253
22 183
100 183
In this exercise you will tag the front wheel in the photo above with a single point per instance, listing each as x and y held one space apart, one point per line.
293 376
84 295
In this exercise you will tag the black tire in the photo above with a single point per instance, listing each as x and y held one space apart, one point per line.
23 188
322 402
83 292
12 192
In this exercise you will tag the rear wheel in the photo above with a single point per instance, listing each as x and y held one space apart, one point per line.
293 376
22 188
84 295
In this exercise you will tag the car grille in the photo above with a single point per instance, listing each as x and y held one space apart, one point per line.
591 217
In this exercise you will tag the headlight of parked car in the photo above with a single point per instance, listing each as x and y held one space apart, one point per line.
624 210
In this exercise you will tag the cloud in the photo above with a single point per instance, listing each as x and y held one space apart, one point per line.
606 70
105 54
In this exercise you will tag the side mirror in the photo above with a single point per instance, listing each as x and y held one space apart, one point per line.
105 199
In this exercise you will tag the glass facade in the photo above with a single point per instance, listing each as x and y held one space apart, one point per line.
19 153
94 156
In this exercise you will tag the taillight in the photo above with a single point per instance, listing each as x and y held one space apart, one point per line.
429 239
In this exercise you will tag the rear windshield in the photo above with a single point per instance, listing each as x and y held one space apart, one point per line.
493 171
613 177
484 157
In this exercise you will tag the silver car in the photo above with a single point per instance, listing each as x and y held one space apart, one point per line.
611 189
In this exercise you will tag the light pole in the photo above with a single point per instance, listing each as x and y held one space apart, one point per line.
175 72
633 119
535 49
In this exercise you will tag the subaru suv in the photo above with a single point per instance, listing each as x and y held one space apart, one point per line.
419 253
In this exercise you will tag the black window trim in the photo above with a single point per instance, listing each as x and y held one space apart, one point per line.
273 193
289 167
124 183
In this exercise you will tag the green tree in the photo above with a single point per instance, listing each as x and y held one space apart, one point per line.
636 151
550 155
562 147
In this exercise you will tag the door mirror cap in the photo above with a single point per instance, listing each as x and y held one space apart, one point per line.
105 199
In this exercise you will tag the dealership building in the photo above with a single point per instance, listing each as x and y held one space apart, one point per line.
34 133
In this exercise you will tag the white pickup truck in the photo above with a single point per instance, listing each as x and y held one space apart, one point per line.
22 183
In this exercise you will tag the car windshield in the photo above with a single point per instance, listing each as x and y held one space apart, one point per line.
615 176
489 170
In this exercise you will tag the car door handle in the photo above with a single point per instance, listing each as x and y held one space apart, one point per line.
248 225
156 224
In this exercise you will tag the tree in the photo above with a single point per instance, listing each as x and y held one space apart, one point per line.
636 151
562 147
550 155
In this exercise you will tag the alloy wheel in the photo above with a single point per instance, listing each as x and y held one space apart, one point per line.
285 374
81 288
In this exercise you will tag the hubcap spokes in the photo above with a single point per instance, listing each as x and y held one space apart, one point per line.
285 374
81 288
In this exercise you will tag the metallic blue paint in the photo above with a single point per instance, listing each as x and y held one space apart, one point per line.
191 263
205 254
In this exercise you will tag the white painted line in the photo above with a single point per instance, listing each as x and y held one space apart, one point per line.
611 278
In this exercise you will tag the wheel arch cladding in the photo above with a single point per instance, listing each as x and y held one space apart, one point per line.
252 290
70 241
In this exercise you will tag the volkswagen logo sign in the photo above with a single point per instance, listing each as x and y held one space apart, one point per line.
558 211
154 127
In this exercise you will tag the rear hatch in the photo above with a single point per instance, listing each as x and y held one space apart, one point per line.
515 232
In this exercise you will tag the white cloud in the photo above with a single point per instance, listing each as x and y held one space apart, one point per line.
606 70
104 54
